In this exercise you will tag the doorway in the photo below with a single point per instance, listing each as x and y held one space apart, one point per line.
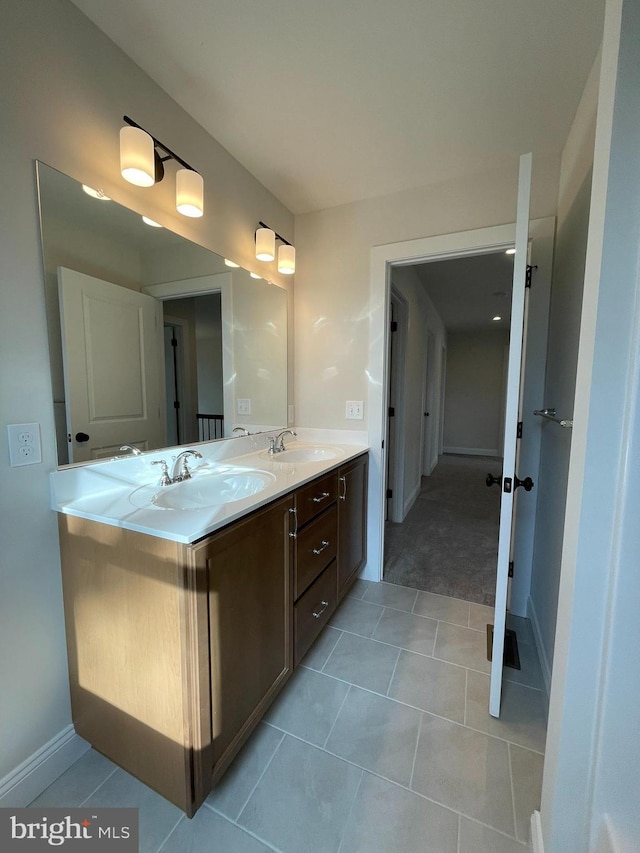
446 540
384 260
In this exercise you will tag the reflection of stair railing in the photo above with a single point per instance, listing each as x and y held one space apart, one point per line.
210 426
550 415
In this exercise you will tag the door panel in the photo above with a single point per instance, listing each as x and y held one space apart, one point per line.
112 367
512 409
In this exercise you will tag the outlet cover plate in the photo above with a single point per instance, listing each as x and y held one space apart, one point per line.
24 444
244 406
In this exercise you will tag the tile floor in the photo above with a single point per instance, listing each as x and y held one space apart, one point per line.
380 742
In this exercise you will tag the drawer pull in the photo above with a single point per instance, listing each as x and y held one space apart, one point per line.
324 544
321 497
343 483
293 534
318 613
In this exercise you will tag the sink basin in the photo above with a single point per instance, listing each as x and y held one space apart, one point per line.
204 490
307 453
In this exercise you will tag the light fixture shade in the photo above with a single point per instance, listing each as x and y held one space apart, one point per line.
286 259
189 193
265 244
137 157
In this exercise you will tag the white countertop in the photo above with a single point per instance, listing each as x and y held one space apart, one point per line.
120 491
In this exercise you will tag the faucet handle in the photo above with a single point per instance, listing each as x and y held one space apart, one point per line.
165 480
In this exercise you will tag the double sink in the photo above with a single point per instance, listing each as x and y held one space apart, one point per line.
222 484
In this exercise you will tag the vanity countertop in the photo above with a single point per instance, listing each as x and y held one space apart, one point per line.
125 491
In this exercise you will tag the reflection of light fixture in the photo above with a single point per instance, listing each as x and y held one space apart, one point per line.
151 222
231 264
255 275
142 165
266 249
99 194
497 317
510 252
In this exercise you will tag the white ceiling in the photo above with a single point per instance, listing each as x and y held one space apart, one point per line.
468 292
331 101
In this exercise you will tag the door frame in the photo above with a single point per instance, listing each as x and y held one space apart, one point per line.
395 480
442 247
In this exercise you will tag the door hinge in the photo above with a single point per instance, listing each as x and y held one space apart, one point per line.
389 493
174 342
394 325
392 412
176 404
510 568
519 430
529 275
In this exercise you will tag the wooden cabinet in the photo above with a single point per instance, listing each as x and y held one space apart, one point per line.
176 651
352 518
315 586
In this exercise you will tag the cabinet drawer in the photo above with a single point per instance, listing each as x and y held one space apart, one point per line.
316 497
313 610
316 546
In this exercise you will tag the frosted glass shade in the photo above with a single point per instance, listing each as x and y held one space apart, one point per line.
189 193
137 157
286 260
265 244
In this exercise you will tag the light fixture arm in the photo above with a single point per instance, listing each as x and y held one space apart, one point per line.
277 236
171 155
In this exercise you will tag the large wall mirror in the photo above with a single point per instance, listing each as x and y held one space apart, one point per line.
154 340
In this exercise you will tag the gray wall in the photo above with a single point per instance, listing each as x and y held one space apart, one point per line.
562 359
65 88
474 396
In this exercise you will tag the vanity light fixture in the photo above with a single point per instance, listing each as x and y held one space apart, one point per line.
266 249
151 222
510 252
142 164
255 275
231 264
497 317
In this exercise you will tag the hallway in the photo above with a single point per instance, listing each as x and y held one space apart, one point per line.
448 542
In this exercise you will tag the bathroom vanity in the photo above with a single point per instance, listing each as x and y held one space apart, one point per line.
184 622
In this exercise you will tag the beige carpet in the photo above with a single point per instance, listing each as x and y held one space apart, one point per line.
448 543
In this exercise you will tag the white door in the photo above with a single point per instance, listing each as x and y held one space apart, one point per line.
509 470
113 381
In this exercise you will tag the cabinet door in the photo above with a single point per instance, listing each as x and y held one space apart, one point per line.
352 521
248 569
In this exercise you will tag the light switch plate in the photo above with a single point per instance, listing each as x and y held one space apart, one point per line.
24 444
244 406
355 410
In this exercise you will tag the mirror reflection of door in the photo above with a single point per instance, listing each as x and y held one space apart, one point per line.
112 382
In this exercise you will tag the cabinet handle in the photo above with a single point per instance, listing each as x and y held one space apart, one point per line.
321 497
293 533
324 544
318 613
343 482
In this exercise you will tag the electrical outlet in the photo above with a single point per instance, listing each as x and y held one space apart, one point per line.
355 410
244 406
24 444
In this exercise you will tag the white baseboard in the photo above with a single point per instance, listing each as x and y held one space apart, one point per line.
471 451
537 842
33 776
545 664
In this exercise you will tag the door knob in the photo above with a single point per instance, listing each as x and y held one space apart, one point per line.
82 436
491 480
527 483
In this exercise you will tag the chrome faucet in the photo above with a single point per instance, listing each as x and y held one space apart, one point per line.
243 430
276 442
134 450
180 468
